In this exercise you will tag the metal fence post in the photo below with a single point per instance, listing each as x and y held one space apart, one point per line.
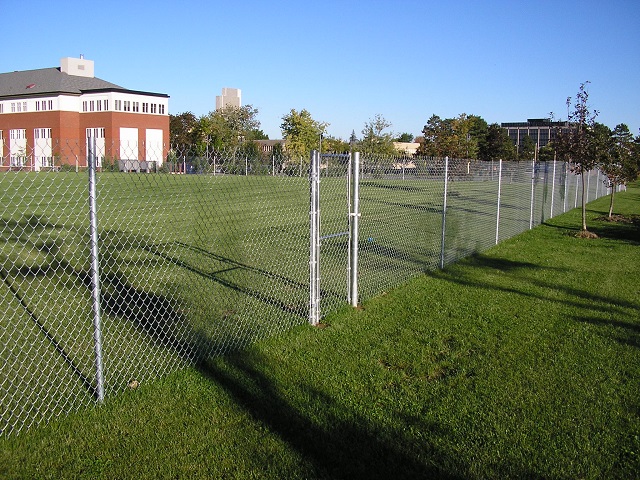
354 224
444 210
566 186
533 184
95 274
499 195
553 187
314 238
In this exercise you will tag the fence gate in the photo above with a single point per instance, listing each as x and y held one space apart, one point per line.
333 251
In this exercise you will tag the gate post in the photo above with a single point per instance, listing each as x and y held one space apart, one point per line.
354 216
95 276
314 238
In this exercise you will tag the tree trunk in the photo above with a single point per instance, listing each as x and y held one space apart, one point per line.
613 190
584 204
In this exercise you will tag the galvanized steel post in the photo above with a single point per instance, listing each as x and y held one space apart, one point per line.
553 187
444 210
499 198
354 225
566 186
533 185
95 273
314 238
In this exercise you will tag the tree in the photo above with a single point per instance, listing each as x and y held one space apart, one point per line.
459 137
301 132
619 160
226 128
374 139
405 138
334 145
181 128
256 134
547 153
573 143
527 149
478 132
437 137
496 145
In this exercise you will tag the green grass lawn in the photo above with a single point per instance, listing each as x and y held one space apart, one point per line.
519 362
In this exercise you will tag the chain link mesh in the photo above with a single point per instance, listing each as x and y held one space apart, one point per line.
201 252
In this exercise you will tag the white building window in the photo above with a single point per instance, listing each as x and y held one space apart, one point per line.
84 106
42 149
118 105
44 105
18 147
98 134
145 107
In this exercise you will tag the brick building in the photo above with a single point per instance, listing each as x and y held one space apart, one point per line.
46 116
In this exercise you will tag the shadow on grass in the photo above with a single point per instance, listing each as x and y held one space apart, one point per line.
623 332
520 284
335 440
627 230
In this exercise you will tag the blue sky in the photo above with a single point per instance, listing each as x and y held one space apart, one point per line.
346 61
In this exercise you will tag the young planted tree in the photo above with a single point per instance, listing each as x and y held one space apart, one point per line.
573 143
620 163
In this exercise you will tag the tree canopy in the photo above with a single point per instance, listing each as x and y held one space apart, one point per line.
374 138
301 132
465 136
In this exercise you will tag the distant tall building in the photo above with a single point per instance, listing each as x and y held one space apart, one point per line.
540 130
230 97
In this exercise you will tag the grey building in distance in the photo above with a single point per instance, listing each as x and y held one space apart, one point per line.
540 130
230 97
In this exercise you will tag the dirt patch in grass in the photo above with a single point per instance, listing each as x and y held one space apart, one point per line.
586 234
615 218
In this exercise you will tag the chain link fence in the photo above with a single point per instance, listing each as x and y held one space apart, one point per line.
114 276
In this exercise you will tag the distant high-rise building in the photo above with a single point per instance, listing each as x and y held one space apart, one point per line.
540 130
230 97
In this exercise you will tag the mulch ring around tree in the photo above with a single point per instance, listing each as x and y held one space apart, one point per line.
615 218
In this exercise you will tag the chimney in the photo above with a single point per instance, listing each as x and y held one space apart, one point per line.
77 66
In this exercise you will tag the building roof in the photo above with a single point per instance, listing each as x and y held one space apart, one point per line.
50 81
